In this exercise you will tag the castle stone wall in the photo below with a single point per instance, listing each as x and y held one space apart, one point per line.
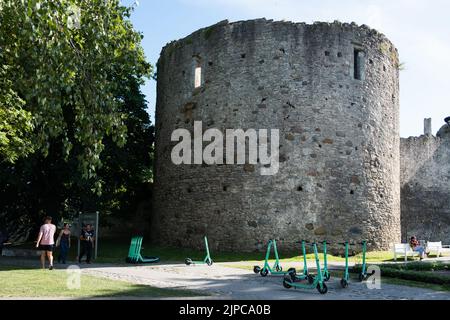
425 186
339 136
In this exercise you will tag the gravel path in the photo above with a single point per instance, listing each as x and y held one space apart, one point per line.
225 282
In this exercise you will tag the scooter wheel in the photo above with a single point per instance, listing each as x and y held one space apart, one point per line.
188 261
264 272
327 276
322 290
256 269
292 272
361 277
209 262
293 277
310 279
287 283
278 268
344 283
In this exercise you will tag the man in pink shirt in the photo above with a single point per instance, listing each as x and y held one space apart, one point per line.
46 241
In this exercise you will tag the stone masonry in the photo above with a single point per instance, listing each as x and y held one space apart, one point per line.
425 186
332 89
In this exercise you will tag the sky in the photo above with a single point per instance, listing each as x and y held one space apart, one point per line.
420 29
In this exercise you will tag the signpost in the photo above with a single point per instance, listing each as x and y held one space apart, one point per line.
83 220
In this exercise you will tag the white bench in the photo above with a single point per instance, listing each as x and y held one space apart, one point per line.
403 249
434 247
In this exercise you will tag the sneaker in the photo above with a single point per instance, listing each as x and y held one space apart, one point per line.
50 268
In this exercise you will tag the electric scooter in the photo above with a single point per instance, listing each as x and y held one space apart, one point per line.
207 259
318 281
364 275
305 274
326 272
345 276
276 269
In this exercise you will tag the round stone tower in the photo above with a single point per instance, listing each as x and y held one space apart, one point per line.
332 91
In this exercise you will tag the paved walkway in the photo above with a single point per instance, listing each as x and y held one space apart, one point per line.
225 281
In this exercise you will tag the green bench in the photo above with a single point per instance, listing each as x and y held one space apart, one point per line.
134 253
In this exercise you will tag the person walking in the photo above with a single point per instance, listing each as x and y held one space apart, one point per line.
63 242
46 241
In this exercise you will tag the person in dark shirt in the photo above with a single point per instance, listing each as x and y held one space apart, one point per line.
87 239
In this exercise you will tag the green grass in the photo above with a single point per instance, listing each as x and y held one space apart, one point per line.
427 273
115 251
416 284
26 282
420 266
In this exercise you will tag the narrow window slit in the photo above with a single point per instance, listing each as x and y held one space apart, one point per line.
358 64
198 77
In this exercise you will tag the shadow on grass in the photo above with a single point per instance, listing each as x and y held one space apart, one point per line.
34 283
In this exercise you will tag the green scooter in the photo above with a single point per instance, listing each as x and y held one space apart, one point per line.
364 275
207 260
346 276
326 272
304 275
318 281
276 269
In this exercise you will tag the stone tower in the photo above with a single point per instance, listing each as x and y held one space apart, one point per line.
332 89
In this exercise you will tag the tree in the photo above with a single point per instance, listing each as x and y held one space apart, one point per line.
64 59
15 122
74 133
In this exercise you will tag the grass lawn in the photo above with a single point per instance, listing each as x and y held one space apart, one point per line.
417 284
25 282
429 274
115 251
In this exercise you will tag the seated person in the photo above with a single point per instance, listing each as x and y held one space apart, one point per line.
416 247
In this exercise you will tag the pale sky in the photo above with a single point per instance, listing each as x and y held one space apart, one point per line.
419 29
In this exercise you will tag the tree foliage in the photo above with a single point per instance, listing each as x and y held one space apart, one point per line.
74 131
15 122
65 60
